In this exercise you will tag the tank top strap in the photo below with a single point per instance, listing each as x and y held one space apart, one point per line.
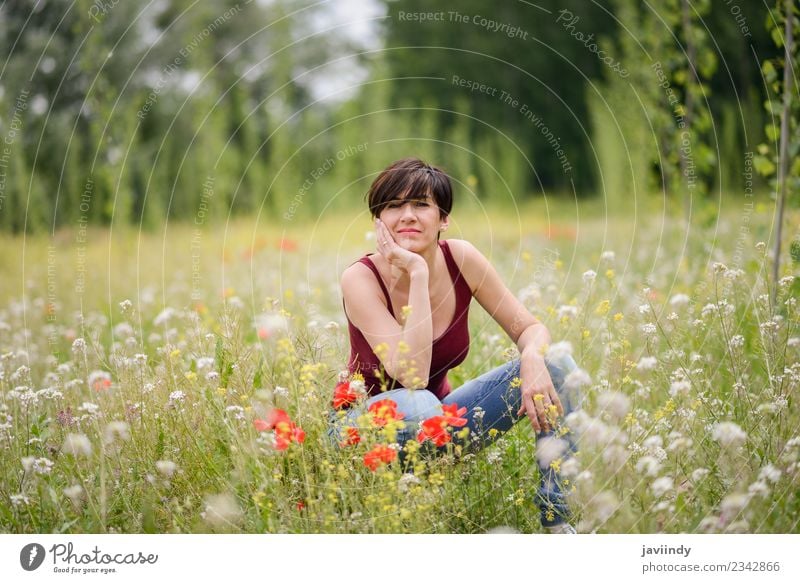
463 291
368 262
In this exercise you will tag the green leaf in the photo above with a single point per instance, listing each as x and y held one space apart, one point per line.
763 166
768 69
257 379
794 251
777 37
772 131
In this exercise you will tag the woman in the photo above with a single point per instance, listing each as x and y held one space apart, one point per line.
407 311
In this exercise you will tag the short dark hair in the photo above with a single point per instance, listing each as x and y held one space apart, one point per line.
410 178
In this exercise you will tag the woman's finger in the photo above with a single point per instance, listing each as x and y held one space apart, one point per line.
529 408
557 402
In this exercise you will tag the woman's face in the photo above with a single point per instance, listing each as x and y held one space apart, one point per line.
414 222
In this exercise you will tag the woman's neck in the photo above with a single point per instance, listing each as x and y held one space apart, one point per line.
400 279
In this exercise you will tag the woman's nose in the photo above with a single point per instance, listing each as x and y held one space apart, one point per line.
408 211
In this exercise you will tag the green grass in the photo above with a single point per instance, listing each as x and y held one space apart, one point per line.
649 461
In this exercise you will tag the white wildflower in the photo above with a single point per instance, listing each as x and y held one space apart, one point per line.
222 510
769 473
406 481
166 468
758 488
556 352
649 329
661 486
614 403
699 474
736 341
77 444
680 388
608 256
646 363
576 379
117 430
734 274
79 346
728 434
205 362
565 311
176 397
74 493
589 276
494 456
648 465
91 409
732 505
269 324
570 468
550 449
680 444
602 506
679 300
164 317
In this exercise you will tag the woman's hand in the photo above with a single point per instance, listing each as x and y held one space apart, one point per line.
538 393
396 255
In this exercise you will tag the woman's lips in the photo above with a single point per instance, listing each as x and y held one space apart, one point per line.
408 231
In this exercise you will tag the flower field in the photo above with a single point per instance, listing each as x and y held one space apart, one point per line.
181 381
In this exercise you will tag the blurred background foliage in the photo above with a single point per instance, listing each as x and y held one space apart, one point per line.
125 113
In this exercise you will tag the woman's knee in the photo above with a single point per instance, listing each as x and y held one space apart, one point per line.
416 405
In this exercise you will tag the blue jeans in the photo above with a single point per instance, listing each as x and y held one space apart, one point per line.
500 400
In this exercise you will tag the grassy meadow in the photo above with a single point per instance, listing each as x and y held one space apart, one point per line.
136 370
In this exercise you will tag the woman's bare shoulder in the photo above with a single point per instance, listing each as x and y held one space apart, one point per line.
355 273
470 261
466 255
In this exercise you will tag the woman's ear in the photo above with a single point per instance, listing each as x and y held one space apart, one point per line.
445 223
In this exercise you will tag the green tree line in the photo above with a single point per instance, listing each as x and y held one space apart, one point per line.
116 112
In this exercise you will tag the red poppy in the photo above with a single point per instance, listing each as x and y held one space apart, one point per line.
353 437
554 231
287 244
384 411
286 431
454 415
435 429
378 455
343 395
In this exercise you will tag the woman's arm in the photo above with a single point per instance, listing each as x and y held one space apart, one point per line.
530 335
407 349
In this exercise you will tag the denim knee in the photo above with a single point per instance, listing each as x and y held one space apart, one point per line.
416 405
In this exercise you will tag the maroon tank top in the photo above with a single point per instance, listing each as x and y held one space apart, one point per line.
448 351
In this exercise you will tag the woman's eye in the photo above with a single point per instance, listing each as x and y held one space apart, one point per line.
422 203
